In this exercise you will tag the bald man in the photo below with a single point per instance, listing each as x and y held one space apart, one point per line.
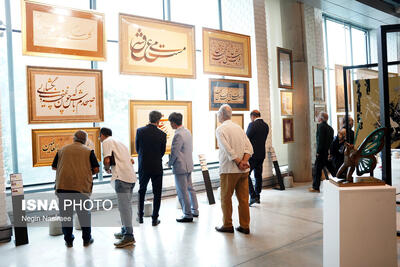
257 132
324 140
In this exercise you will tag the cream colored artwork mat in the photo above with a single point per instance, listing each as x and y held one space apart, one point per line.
56 30
366 101
286 72
286 103
224 94
141 118
160 48
64 95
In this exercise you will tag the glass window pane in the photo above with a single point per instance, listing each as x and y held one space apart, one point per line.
5 109
16 8
359 42
338 44
149 8
24 144
2 13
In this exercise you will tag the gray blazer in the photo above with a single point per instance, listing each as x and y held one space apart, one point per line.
181 159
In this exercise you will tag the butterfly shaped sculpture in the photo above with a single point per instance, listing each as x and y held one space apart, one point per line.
362 159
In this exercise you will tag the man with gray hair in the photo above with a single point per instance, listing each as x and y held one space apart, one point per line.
75 165
235 150
324 140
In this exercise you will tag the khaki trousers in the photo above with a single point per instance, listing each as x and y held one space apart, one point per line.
237 182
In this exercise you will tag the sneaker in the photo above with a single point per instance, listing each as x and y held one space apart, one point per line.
312 190
118 235
125 241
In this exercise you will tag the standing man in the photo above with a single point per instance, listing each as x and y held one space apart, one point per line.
117 160
75 165
234 152
150 146
181 161
257 132
324 140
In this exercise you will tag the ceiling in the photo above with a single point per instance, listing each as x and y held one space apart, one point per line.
376 13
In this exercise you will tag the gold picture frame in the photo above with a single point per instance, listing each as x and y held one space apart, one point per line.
139 116
63 95
156 47
286 103
236 118
288 130
318 84
46 143
62 32
232 92
285 68
226 53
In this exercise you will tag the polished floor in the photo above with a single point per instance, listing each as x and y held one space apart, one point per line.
286 230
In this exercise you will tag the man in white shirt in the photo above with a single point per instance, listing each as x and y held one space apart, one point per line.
235 150
117 160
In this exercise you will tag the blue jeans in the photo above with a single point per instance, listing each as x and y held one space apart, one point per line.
124 197
186 194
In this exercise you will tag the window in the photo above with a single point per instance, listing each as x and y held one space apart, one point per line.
346 45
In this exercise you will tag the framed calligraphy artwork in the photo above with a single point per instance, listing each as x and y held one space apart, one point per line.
339 83
156 47
46 143
232 92
62 32
340 118
318 84
285 68
226 53
286 103
61 95
139 116
318 108
236 118
288 130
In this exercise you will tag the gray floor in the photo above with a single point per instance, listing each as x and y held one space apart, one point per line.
286 230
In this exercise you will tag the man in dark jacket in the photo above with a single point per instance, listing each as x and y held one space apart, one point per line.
324 140
150 146
257 132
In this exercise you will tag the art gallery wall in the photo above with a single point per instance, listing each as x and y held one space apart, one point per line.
297 27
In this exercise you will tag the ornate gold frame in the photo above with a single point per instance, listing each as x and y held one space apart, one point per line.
190 31
230 36
98 74
27 34
156 103
36 133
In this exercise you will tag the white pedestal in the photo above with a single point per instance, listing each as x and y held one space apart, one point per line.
359 226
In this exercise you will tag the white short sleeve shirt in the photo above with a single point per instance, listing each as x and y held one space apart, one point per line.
123 169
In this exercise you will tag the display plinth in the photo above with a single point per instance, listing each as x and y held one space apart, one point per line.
359 226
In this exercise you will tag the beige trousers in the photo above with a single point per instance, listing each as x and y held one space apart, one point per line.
237 182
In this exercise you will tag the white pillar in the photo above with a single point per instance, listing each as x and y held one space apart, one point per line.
3 208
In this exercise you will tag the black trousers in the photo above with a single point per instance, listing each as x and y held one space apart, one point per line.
256 165
320 162
66 200
156 182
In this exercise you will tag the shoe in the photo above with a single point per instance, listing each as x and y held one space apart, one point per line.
119 235
88 243
195 215
224 229
312 190
69 244
156 222
252 201
184 219
139 219
258 200
125 241
278 188
243 230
